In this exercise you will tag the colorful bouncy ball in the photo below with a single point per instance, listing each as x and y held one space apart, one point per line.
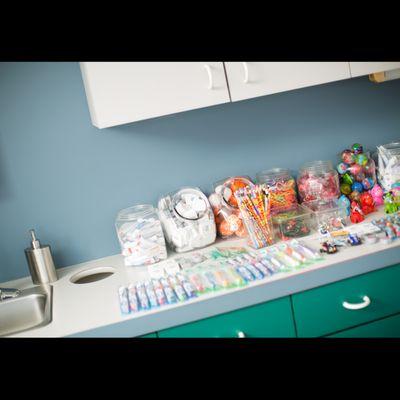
345 188
357 186
348 157
344 202
355 169
368 183
359 177
354 196
357 148
342 168
361 159
347 178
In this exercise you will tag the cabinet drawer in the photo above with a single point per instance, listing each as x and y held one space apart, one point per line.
271 319
321 311
385 328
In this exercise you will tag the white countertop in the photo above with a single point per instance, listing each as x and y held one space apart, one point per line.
92 309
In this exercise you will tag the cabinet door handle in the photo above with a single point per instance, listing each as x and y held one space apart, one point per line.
210 76
246 72
241 335
357 306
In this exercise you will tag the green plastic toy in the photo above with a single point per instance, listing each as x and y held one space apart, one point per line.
390 205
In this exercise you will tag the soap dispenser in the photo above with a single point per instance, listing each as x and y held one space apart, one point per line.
40 261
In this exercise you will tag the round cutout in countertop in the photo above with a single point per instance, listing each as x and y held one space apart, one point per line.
92 275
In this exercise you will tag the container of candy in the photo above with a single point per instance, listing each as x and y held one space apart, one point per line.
228 218
389 164
282 188
140 235
293 223
329 215
318 180
187 219
357 171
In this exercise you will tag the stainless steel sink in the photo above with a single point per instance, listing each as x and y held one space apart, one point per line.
32 308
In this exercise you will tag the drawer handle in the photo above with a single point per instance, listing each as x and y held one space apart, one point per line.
357 306
241 335
246 72
210 77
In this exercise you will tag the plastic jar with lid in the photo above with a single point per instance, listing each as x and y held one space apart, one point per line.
318 180
228 218
282 188
187 219
140 235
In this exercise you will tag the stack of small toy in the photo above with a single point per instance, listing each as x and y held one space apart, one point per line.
360 192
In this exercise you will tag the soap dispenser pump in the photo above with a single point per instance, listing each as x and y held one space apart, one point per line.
40 261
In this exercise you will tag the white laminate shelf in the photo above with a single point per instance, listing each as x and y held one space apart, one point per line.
93 309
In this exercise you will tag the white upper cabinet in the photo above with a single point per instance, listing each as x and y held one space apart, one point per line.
123 92
366 68
253 79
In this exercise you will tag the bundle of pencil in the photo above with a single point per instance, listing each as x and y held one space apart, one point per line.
254 205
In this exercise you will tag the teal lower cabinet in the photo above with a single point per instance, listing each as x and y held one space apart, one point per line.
348 303
385 328
149 335
271 319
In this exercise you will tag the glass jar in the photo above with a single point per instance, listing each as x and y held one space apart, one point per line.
228 218
318 180
187 219
140 235
282 188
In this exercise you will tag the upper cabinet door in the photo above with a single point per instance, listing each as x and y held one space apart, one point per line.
123 92
252 79
366 68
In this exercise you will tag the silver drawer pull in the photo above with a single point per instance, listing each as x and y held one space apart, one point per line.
357 306
241 335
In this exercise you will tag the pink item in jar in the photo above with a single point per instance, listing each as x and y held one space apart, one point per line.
318 180
377 194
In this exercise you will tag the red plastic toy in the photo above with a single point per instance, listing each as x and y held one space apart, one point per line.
356 214
367 203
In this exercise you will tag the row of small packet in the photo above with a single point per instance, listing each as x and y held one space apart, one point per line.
224 273
245 267
154 293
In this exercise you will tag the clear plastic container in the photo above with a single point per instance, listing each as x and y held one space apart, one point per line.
389 164
187 219
318 180
357 172
293 223
140 235
282 188
328 215
227 215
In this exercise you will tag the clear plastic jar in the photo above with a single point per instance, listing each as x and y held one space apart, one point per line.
282 188
318 180
187 219
140 235
293 223
227 215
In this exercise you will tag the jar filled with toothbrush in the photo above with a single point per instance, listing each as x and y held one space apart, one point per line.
140 235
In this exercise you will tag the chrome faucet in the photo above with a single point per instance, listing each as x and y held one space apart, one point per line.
6 293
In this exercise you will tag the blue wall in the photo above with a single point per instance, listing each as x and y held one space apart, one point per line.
67 179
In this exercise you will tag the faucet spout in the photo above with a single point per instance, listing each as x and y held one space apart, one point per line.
6 293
